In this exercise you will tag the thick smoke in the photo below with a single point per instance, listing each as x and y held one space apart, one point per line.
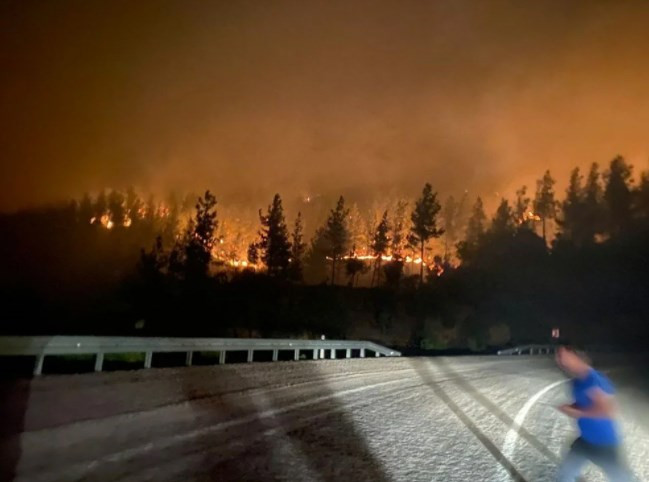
315 98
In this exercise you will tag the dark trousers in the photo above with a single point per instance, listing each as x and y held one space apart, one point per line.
608 458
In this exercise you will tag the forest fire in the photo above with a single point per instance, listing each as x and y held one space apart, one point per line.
387 258
529 216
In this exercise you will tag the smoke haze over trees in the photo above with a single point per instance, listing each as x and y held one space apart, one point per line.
315 98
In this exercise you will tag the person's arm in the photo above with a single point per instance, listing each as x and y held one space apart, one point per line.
603 406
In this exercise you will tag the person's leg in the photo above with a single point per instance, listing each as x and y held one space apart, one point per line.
613 465
572 464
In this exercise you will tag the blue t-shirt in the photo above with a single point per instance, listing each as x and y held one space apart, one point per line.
597 431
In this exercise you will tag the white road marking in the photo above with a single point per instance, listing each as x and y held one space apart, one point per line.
509 447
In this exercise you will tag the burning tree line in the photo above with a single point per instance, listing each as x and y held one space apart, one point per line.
606 204
537 260
282 254
379 247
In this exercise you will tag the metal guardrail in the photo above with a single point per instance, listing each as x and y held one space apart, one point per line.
529 350
42 346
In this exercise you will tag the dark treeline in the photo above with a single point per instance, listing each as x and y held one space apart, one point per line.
424 274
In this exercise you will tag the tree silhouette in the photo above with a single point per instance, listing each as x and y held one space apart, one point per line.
253 253
398 235
380 245
593 221
521 209
573 210
133 206
357 230
153 263
502 223
200 238
150 212
337 234
617 195
297 250
170 225
274 244
642 197
315 260
450 216
474 231
116 208
424 223
545 204
353 266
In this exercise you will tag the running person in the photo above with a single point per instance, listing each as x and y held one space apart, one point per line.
594 410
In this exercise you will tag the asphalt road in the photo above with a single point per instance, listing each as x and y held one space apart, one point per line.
405 419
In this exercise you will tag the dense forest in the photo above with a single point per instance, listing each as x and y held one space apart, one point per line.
411 273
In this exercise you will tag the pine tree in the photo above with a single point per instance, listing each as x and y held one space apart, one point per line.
337 234
474 232
424 223
297 250
545 204
476 227
315 260
521 209
502 223
642 197
617 195
593 195
356 227
199 239
572 210
450 215
152 263
380 245
274 244
253 253
133 206
398 235
150 211
116 208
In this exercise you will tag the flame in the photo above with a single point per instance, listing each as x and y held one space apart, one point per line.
385 257
529 216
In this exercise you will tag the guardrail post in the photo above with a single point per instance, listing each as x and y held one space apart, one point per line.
275 355
99 362
38 367
348 353
250 356
222 357
296 354
377 354
189 358
333 353
315 353
362 352
148 358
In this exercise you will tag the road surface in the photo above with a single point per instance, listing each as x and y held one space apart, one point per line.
404 419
